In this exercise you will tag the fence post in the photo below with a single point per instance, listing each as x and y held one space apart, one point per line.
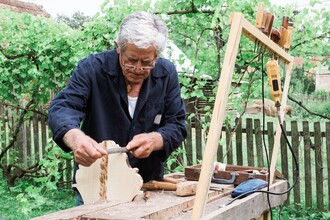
189 144
249 141
199 142
229 144
37 151
318 166
307 164
259 146
295 148
327 136
270 135
43 134
239 143
284 158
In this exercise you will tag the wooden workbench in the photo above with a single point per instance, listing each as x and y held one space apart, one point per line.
166 205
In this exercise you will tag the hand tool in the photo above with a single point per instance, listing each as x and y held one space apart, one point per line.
116 150
289 36
274 80
268 24
260 14
275 36
283 31
159 185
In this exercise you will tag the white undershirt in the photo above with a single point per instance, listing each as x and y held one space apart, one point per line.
131 105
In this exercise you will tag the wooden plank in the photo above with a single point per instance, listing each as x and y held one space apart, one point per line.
253 33
77 212
189 144
239 142
160 205
307 165
186 188
295 148
284 159
318 166
259 145
284 156
278 127
36 136
218 115
199 145
220 154
249 142
3 137
270 135
43 135
327 131
250 207
229 145
29 150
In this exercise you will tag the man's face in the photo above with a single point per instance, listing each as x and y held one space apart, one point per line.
136 63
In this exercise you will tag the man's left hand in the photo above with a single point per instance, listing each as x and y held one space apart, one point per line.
142 145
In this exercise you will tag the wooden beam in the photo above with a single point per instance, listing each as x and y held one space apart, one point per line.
277 142
255 35
239 26
218 116
250 207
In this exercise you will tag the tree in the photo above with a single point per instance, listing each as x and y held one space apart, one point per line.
76 21
37 56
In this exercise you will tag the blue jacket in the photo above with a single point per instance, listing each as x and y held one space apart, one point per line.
96 96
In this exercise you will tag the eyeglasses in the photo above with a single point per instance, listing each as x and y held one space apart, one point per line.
142 68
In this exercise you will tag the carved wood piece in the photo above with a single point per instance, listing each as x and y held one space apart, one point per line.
120 183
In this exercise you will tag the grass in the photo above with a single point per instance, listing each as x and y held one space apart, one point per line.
15 203
298 212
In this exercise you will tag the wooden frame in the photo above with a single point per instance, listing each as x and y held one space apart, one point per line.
239 26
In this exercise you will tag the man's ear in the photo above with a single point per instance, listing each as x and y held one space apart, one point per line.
117 47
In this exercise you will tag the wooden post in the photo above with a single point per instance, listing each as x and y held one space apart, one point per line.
278 127
217 116
238 26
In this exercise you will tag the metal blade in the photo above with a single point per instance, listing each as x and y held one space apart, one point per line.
116 150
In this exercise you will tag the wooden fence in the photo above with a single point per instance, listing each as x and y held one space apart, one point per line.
245 145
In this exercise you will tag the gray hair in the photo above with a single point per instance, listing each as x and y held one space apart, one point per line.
143 30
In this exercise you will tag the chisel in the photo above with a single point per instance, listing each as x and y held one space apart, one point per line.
116 150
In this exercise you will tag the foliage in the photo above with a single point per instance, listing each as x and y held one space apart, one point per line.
316 102
298 212
36 195
37 56
301 83
21 202
176 162
76 21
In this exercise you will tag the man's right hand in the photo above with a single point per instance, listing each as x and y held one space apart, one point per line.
85 150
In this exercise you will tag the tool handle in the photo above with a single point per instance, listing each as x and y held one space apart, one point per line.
260 14
159 185
116 150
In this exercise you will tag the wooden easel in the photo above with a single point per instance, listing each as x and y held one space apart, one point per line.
239 26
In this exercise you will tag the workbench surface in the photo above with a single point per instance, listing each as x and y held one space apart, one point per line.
166 205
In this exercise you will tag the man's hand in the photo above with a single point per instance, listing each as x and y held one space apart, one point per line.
85 150
142 145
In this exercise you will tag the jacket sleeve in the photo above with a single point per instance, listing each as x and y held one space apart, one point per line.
67 109
173 129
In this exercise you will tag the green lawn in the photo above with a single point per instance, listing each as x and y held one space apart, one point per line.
16 204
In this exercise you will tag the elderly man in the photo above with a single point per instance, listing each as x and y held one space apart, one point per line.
129 95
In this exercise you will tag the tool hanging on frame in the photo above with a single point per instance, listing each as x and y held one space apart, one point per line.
274 80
